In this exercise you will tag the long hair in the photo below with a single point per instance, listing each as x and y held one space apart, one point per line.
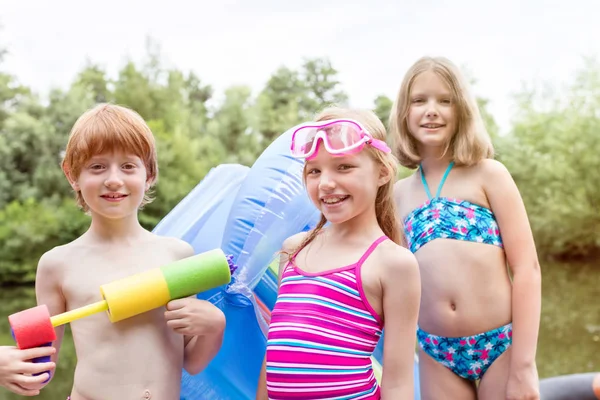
469 144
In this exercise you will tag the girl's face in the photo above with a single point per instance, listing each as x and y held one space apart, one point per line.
343 187
431 115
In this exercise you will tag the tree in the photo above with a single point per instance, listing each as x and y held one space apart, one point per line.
232 126
184 159
93 79
278 103
552 155
383 108
488 119
11 93
291 97
321 87
132 89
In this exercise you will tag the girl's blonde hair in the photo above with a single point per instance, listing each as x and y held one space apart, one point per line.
106 128
385 207
469 144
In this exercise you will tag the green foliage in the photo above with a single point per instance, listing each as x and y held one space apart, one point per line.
553 156
231 127
37 211
28 229
488 119
551 149
183 161
291 97
278 105
551 152
320 87
383 108
94 81
11 93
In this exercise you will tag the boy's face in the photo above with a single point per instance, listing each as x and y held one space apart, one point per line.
113 184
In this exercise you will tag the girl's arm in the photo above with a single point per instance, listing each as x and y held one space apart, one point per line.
289 245
397 199
507 204
261 391
401 285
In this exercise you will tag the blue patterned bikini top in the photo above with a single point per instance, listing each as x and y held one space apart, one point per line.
448 218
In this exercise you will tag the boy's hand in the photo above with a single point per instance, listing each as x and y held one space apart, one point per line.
15 369
194 317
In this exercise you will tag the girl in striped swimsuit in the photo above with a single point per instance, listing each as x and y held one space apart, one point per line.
339 284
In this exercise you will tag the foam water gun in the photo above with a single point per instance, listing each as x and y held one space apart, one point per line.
128 297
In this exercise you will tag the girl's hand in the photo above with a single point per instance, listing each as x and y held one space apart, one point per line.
523 385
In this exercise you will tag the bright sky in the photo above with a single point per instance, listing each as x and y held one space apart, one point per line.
503 43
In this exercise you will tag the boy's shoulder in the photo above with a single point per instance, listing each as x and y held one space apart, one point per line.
58 256
177 247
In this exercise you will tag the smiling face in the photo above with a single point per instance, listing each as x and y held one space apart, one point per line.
109 131
112 184
431 114
343 187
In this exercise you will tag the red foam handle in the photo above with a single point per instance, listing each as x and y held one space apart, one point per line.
32 327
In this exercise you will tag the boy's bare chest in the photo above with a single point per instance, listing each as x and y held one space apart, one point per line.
84 277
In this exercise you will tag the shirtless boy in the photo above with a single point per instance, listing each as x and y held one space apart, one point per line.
111 164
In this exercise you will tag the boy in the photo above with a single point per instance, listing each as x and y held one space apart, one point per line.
110 162
16 370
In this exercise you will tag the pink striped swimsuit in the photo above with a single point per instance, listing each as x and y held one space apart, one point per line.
322 334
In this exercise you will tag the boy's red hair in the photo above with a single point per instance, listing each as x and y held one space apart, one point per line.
106 128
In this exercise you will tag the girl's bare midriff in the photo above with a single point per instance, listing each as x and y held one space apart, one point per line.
466 289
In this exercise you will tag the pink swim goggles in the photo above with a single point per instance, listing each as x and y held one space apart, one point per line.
339 136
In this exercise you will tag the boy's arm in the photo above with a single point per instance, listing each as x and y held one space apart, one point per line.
201 348
201 323
48 291
401 284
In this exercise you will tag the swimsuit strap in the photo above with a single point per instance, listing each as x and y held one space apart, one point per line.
439 190
370 249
